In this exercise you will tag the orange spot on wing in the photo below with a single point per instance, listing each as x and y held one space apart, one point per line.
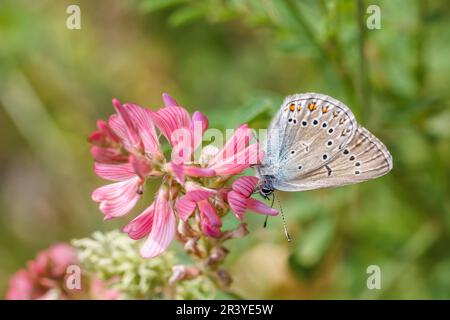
324 109
292 107
312 107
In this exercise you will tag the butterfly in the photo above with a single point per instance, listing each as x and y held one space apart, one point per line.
315 142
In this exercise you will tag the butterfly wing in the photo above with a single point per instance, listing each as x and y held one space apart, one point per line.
364 158
309 131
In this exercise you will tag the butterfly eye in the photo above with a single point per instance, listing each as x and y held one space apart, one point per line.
266 191
292 151
330 131
346 151
304 123
324 157
315 122
300 167
357 164
324 125
329 143
352 158
357 172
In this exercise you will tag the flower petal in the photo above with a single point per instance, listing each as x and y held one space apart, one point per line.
209 220
140 165
114 172
168 100
199 119
198 172
199 195
177 171
238 162
185 207
140 226
207 211
260 207
169 119
142 119
20 286
128 123
103 135
163 229
119 198
245 185
238 203
120 129
238 141
107 155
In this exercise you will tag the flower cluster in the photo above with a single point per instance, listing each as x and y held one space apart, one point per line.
45 279
114 258
193 195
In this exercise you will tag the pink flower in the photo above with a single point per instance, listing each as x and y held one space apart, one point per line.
185 135
118 198
42 275
106 145
45 278
136 133
239 198
163 226
197 197
99 290
238 153
135 128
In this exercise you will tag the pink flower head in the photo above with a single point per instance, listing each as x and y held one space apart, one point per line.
45 278
239 198
128 153
42 275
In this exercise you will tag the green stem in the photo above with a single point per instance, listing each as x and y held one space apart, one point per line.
365 92
328 55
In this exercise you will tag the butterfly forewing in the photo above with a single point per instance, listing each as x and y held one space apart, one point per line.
309 131
364 158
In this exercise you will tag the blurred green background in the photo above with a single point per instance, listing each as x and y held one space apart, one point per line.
235 61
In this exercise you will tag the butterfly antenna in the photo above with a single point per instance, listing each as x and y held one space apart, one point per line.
286 232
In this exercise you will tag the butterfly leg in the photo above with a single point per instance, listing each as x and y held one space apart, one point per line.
267 217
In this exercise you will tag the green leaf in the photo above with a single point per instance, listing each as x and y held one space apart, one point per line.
186 15
312 247
155 5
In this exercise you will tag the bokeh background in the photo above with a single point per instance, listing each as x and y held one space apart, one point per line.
235 61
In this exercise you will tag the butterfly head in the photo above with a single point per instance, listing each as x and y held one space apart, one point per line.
266 186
